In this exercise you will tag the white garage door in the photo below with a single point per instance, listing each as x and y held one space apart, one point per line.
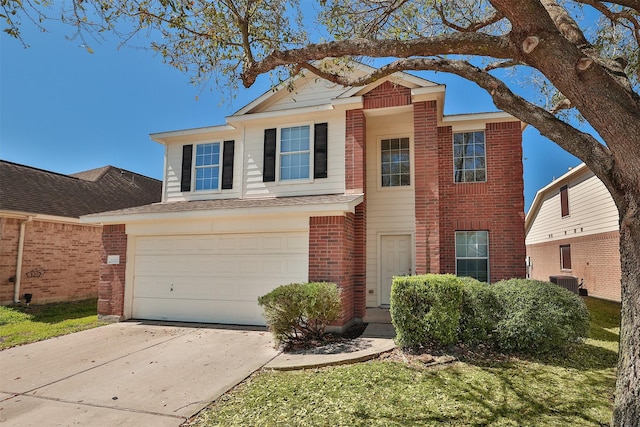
214 278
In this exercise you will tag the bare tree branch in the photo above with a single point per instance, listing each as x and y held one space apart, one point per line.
460 43
474 26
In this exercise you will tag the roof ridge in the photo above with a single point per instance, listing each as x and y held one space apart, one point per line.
38 169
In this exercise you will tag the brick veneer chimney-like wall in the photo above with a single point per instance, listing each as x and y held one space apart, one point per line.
112 276
427 193
331 257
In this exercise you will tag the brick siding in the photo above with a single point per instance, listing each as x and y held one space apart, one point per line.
595 259
496 205
332 257
60 261
427 195
387 95
112 276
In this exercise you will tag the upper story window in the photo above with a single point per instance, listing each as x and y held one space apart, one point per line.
564 201
395 162
213 168
295 153
469 160
207 166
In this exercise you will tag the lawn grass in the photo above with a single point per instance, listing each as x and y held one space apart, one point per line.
26 324
573 389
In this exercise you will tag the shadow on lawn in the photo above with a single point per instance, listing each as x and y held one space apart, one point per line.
59 311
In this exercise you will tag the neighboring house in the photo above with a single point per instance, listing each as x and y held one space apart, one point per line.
44 249
319 182
573 230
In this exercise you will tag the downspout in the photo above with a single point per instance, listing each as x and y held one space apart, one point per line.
16 289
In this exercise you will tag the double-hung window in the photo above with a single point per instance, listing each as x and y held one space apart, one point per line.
395 162
472 254
295 152
207 166
469 159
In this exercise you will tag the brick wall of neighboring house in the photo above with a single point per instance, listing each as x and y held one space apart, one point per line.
112 276
331 257
595 259
496 205
60 261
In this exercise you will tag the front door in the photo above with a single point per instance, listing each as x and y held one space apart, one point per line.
396 260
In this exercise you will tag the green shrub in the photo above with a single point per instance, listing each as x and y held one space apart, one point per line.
538 317
301 311
426 309
480 312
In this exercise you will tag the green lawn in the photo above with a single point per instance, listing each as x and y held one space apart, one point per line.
26 324
575 389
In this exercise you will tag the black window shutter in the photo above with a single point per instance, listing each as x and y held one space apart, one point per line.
185 178
227 165
320 151
269 172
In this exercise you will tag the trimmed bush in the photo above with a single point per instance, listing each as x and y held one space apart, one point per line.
538 317
301 311
480 312
426 309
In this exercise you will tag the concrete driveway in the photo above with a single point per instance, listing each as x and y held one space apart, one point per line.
129 374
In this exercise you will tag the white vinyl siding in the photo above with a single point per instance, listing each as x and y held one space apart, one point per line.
253 185
592 211
390 210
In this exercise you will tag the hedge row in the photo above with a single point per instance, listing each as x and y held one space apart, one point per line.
516 315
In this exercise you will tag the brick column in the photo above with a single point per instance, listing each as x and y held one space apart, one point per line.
427 192
331 257
356 182
112 276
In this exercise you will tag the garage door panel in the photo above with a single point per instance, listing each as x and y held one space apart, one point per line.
215 278
205 311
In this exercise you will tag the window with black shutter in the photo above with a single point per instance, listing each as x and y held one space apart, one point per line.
320 151
227 165
185 176
269 156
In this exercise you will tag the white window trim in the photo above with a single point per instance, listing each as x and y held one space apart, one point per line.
195 168
488 258
486 166
379 163
281 181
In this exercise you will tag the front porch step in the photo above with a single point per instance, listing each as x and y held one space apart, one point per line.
377 315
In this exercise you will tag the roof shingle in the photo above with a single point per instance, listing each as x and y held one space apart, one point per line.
27 189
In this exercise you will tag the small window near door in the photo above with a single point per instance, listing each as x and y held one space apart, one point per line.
565 257
395 162
472 254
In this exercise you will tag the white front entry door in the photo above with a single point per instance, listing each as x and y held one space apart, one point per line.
396 260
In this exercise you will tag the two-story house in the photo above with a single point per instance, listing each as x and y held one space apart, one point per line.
319 182
572 229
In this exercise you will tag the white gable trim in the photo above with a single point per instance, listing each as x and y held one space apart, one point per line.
205 132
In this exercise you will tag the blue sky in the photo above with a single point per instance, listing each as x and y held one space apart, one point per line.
65 110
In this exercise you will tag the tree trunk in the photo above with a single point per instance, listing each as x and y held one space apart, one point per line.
627 400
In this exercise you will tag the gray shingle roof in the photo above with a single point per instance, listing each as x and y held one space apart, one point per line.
229 204
27 189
